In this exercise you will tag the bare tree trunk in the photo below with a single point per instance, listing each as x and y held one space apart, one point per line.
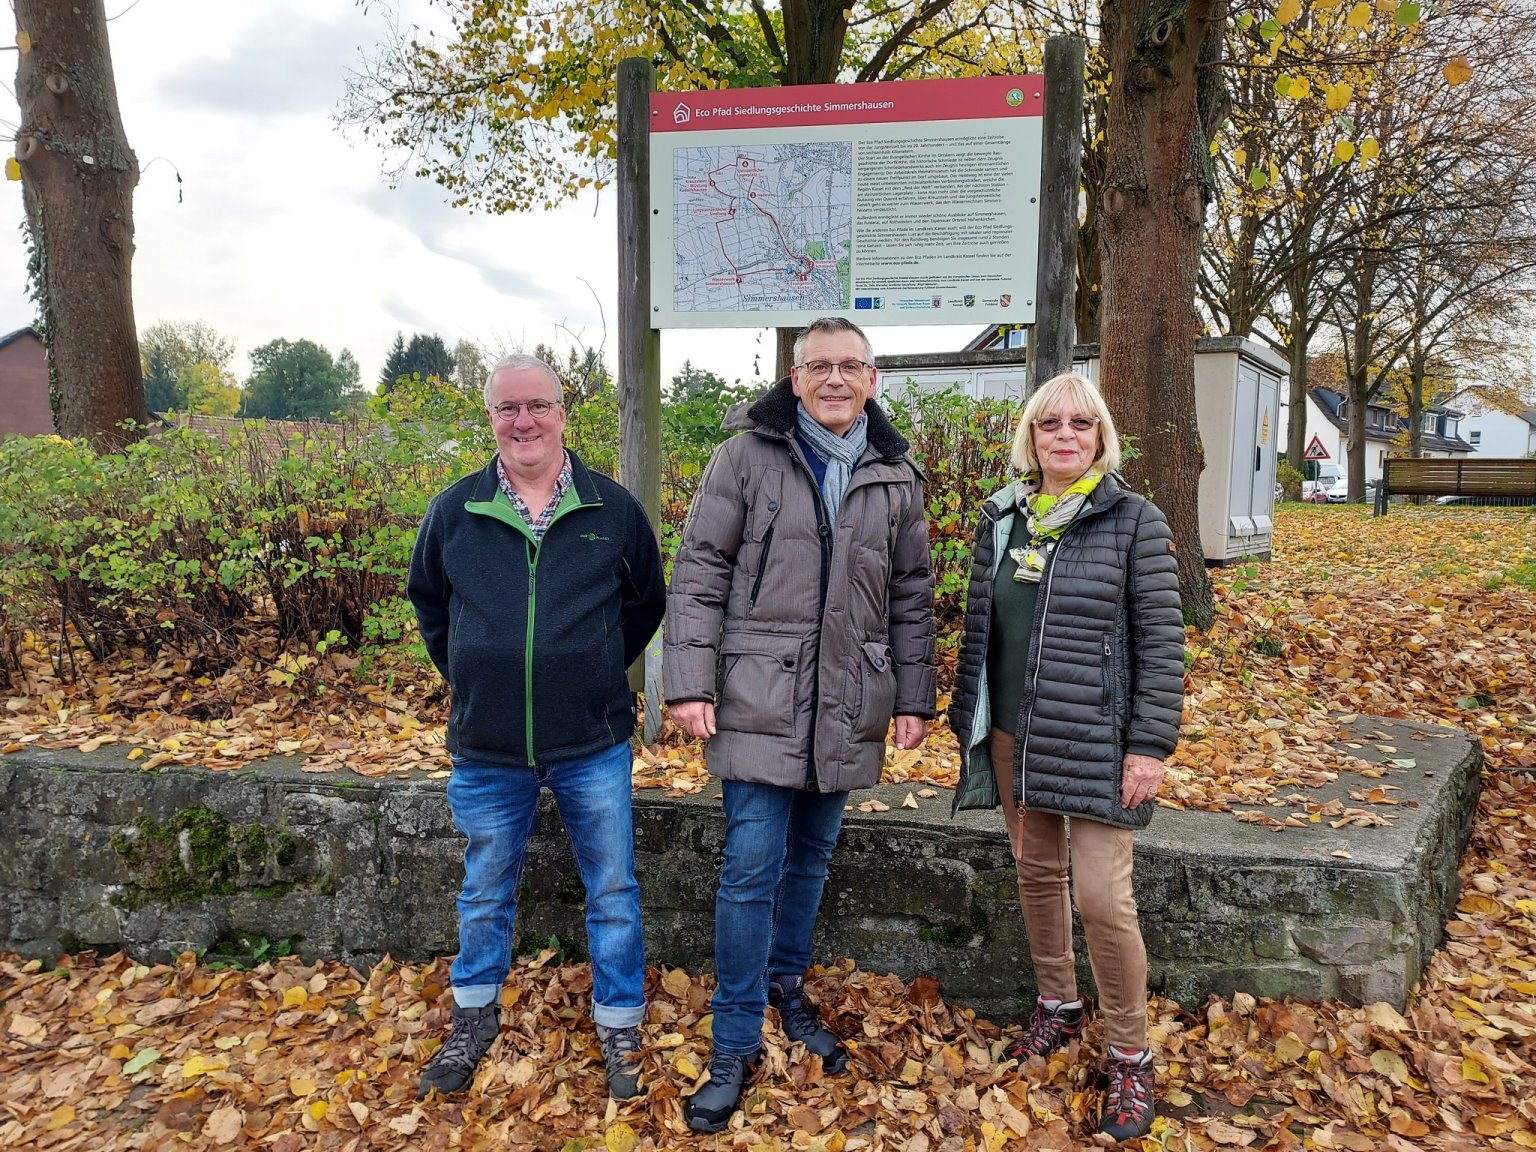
1300 343
1157 182
814 32
78 176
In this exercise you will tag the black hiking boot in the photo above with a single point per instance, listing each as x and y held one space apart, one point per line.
471 1033
621 1057
1128 1102
800 1022
1049 1030
709 1109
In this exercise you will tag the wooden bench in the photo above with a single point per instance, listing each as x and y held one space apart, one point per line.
1507 480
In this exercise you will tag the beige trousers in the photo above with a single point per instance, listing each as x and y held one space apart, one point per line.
1100 860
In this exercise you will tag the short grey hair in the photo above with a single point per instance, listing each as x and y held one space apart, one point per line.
522 362
833 324
1047 401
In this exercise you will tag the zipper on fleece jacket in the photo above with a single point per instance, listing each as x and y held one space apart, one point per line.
508 515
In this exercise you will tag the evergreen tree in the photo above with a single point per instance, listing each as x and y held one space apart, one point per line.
394 365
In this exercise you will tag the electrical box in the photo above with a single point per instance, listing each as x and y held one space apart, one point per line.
1237 405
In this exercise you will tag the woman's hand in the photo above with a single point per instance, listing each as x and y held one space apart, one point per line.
1139 782
910 731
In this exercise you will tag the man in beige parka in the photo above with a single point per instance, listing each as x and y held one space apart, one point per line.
799 621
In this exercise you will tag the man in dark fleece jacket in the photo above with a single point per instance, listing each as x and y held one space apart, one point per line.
536 583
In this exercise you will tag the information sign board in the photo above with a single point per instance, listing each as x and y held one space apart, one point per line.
901 202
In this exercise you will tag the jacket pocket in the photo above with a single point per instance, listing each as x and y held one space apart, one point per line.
877 691
756 692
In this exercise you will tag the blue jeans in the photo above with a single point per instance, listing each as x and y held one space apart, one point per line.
494 807
778 843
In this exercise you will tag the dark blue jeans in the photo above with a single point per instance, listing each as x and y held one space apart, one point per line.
778 843
494 806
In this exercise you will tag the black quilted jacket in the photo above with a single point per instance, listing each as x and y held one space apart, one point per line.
1106 654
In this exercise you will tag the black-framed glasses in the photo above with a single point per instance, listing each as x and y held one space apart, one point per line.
822 369
538 409
1054 423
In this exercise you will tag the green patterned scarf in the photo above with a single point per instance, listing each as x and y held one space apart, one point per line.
1046 518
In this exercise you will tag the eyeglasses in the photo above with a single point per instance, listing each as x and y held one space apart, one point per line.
822 369
538 409
1054 423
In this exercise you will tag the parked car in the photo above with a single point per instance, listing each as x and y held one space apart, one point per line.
1316 491
1338 493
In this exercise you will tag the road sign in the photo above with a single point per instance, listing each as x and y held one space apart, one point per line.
1316 451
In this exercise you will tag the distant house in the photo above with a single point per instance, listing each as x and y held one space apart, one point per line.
1493 430
1328 425
24 408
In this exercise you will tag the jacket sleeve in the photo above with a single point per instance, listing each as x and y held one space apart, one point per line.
1157 638
429 589
911 608
701 580
645 590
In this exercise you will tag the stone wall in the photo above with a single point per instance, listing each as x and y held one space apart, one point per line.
101 854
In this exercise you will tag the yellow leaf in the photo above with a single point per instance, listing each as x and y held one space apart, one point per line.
60 1116
1288 11
1524 987
1239 157
1458 70
620 1138
1524 1137
301 1085
911 1071
1369 149
1289 1048
686 1067
1339 95
1472 1070
1301 88
1390 1064
295 996
1343 151
199 1065
1359 16
992 1138
120 1052
225 1043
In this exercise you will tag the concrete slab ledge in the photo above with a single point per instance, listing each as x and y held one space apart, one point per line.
101 854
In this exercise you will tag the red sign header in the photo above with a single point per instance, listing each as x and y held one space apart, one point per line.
887 102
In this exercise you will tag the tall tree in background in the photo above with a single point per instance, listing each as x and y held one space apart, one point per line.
298 380
78 175
186 364
394 365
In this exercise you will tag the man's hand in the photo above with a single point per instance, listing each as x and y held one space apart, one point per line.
910 731
695 717
1140 780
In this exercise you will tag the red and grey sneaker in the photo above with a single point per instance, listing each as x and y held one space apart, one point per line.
1128 1103
1049 1030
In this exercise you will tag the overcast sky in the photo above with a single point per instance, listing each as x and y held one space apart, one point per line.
285 227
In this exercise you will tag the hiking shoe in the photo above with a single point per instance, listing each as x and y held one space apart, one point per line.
709 1109
621 1055
800 1022
471 1033
1049 1030
1128 1103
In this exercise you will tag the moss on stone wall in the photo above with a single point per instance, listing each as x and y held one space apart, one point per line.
198 853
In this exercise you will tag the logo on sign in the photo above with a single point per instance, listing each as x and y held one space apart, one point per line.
1015 97
970 301
1004 300
681 114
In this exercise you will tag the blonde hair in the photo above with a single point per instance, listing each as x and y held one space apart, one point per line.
1047 401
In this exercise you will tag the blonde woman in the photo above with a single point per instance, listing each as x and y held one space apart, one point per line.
1066 703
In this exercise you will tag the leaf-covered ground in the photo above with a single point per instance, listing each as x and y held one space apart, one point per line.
1428 614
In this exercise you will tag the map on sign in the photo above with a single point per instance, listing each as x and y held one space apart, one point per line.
762 228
